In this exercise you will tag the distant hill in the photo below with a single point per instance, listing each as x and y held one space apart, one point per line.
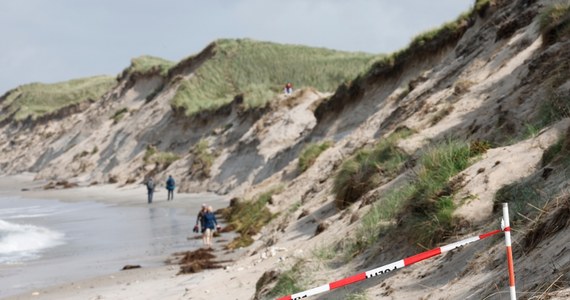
36 99
259 70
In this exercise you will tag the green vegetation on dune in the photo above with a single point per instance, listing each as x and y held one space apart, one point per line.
555 22
367 168
148 64
424 202
289 282
528 196
448 30
259 70
203 159
310 154
481 6
248 217
163 159
421 45
37 99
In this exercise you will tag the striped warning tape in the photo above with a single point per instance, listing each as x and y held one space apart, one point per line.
505 225
387 268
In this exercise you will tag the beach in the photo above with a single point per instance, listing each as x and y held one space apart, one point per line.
77 240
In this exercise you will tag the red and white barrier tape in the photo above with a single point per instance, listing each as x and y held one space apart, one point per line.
387 268
505 225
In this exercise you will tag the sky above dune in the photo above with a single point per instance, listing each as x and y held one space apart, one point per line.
56 40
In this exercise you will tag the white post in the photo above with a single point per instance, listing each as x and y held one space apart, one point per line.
507 230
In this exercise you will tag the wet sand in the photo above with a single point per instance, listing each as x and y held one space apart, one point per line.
160 280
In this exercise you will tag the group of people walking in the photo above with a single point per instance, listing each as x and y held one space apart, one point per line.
170 186
205 222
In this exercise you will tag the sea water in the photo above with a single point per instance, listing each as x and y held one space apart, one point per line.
47 242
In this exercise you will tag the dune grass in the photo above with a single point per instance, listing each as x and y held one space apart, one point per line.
427 214
422 44
259 70
555 22
248 217
148 64
164 159
37 99
528 195
119 114
203 158
310 154
481 6
423 207
289 282
367 167
448 29
376 219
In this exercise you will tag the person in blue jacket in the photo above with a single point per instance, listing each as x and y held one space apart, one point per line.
170 186
211 224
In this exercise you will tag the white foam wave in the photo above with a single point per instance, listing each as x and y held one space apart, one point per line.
31 211
22 241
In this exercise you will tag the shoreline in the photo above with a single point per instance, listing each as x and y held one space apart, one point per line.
160 282
24 185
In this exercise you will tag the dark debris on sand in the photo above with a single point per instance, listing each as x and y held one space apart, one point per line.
198 260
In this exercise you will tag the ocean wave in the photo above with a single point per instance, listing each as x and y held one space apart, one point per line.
23 241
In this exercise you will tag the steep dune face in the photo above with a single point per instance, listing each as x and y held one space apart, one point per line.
492 86
486 77
141 126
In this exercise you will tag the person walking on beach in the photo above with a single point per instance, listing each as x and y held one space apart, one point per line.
170 186
150 189
200 219
211 224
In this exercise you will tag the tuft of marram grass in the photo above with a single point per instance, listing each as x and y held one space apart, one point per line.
248 217
555 22
424 206
149 64
119 114
290 281
203 158
165 159
367 167
310 154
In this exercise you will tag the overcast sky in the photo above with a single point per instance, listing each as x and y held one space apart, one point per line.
56 40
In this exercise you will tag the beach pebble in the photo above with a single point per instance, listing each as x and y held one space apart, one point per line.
35 293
